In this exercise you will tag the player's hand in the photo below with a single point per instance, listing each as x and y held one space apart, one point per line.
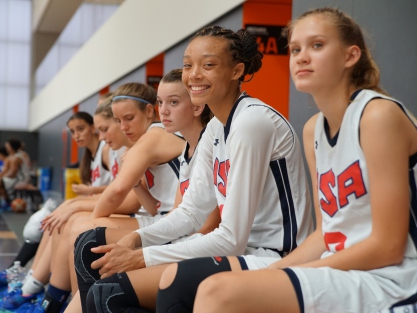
81 189
117 259
56 219
129 240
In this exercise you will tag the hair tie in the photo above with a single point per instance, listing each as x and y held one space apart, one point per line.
130 97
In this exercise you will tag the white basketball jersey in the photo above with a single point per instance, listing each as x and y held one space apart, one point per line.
255 166
100 176
284 202
162 180
186 166
23 174
115 160
343 181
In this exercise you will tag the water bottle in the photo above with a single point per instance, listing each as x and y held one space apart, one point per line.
15 276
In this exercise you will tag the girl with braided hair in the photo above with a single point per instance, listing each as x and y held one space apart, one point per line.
248 149
361 149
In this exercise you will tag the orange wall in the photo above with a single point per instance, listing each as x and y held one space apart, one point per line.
271 83
154 72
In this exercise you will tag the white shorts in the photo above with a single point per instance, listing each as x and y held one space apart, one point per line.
255 262
9 184
325 290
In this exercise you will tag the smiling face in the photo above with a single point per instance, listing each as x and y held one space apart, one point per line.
109 131
81 131
318 58
176 110
132 121
208 72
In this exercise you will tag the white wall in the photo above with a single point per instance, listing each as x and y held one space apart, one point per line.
138 31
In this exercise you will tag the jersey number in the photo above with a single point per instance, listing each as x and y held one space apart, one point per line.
184 186
336 239
349 182
149 179
221 169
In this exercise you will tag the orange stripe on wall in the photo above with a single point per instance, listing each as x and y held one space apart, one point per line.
154 72
104 91
271 84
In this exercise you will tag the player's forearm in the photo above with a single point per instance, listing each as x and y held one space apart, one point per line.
93 190
146 200
366 255
310 250
108 202
130 205
83 206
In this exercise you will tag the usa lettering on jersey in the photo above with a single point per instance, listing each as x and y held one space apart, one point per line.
335 190
149 179
95 174
115 169
184 186
220 173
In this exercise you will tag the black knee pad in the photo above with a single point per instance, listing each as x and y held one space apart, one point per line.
112 295
83 257
179 296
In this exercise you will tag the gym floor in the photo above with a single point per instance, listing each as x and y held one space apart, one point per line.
11 236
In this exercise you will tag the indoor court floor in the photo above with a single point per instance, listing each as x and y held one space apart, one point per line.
11 238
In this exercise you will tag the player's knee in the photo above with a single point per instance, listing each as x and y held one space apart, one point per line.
95 237
83 256
31 231
217 288
168 276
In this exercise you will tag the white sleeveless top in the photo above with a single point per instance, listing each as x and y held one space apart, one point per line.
100 176
343 181
115 160
162 180
186 166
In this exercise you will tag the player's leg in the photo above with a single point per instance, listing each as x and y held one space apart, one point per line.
123 224
248 291
134 291
75 304
191 273
60 268
42 246
83 256
179 283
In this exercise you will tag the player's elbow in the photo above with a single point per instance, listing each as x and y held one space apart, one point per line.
390 251
394 254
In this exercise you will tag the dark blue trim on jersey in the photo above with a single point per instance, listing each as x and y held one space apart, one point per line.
332 141
230 118
276 112
290 230
175 165
297 287
187 147
412 160
413 207
242 263
410 300
354 94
